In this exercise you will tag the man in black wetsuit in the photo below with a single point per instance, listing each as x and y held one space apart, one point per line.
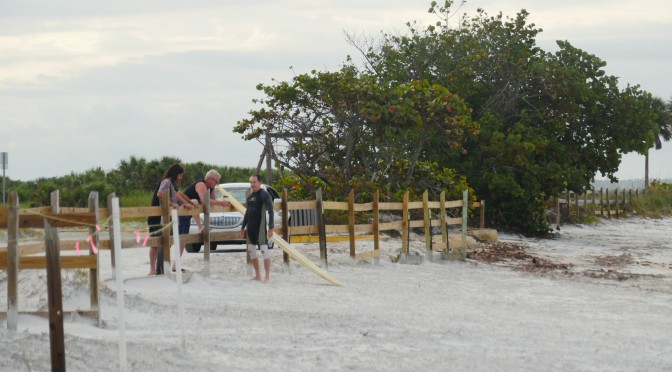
259 214
196 191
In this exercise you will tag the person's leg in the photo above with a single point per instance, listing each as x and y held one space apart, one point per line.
252 250
153 257
267 261
267 267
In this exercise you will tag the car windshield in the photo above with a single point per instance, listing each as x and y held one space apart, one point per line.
238 193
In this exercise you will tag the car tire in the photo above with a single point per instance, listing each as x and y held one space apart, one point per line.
193 247
213 246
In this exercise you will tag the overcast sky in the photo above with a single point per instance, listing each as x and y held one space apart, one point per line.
86 84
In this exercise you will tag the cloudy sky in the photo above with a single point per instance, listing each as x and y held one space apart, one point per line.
87 84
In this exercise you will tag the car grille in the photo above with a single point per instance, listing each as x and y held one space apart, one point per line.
225 221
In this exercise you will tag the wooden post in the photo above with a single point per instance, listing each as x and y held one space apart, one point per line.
13 261
576 204
376 226
616 197
557 214
444 229
465 213
404 229
94 274
109 209
428 225
608 204
569 205
285 224
55 296
585 202
482 224
601 202
351 222
206 227
624 201
321 229
594 209
206 233
164 251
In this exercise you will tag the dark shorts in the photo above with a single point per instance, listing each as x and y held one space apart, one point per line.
257 237
155 230
184 223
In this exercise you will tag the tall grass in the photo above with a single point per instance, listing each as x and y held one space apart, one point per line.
656 202
136 198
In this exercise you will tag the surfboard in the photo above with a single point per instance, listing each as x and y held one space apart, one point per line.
285 246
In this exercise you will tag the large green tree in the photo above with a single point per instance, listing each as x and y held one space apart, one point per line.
548 121
352 129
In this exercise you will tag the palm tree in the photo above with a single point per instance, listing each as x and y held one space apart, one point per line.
665 124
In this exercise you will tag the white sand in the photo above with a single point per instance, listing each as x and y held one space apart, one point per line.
452 316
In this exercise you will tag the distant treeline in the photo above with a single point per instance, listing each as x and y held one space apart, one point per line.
636 183
133 177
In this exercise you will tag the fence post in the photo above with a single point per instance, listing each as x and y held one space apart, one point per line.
608 205
285 223
427 223
94 274
465 213
376 226
569 205
482 224
164 251
13 261
109 213
557 215
576 203
404 229
594 210
616 197
54 292
444 229
585 202
321 229
601 202
351 222
206 233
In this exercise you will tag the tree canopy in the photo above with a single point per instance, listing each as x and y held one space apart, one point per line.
482 99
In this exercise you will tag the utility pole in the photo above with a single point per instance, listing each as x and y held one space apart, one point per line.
4 164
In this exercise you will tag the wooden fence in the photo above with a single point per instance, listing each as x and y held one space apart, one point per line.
602 202
28 256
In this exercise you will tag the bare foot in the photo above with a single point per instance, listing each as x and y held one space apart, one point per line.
266 280
256 278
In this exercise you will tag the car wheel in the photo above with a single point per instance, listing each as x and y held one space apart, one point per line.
193 247
213 246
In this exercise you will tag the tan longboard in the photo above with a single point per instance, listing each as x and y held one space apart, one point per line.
285 246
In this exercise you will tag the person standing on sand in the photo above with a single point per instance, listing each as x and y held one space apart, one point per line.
258 215
171 179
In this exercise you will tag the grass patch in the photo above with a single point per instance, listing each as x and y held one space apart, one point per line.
655 203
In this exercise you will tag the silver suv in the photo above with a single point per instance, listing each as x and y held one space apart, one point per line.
231 221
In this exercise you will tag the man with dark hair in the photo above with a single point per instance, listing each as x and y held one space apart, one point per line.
259 214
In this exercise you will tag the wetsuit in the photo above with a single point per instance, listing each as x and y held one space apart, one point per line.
259 210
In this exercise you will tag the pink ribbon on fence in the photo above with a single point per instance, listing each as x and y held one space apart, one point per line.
93 245
137 236
77 247
144 244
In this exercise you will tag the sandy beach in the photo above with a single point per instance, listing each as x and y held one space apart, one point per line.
594 298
